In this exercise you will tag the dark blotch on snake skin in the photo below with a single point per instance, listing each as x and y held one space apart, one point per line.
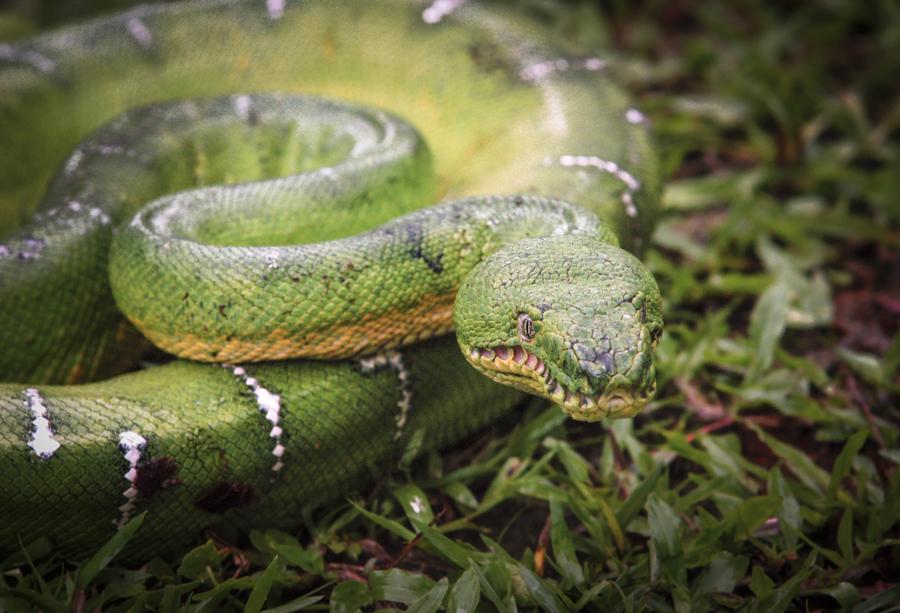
488 57
156 475
415 235
30 250
224 496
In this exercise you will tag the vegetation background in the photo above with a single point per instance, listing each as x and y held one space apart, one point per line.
764 477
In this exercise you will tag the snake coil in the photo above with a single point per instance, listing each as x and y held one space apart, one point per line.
223 115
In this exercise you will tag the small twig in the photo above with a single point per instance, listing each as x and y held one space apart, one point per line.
621 465
540 552
867 411
238 556
884 471
79 598
713 427
767 422
374 549
348 572
697 403
410 545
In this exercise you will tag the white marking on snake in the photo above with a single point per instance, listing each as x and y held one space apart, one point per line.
589 161
139 32
556 114
42 442
110 149
73 162
394 361
270 405
439 9
390 130
38 61
30 249
541 70
98 214
634 116
538 73
132 446
275 8
242 106
174 208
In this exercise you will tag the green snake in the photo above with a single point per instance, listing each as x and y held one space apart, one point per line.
235 177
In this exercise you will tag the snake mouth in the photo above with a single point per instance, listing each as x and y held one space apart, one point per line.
522 369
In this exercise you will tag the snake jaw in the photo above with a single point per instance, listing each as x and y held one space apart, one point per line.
524 370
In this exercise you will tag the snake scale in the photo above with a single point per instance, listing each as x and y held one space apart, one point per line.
285 220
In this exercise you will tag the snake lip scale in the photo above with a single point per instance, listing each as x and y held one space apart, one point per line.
532 373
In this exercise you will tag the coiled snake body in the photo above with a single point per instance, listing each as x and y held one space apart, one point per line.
543 169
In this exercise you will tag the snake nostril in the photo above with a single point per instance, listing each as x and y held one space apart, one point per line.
607 361
599 369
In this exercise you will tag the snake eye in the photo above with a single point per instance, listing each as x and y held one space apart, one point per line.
526 327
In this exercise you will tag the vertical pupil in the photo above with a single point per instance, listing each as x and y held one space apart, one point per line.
526 326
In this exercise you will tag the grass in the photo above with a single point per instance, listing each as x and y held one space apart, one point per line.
764 477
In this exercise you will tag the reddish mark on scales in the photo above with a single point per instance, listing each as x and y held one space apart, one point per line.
224 496
156 475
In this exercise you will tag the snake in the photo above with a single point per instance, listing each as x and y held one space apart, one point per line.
301 201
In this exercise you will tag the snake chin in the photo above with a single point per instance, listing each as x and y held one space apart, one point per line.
522 369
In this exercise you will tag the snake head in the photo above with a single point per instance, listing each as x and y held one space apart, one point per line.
568 318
